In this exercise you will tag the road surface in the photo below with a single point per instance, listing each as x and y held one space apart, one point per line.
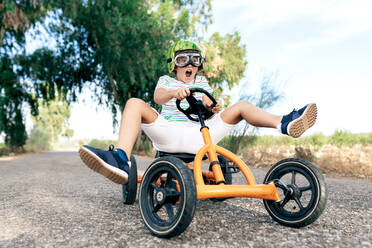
53 200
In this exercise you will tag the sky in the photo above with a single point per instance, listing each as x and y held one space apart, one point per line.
321 51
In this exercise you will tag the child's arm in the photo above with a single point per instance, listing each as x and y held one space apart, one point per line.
162 95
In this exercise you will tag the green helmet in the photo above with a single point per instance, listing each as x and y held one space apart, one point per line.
180 46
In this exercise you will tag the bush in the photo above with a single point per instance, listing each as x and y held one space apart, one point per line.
231 143
366 139
318 140
339 138
343 138
304 153
38 141
143 146
102 144
4 151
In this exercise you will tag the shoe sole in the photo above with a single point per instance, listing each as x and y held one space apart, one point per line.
297 127
98 165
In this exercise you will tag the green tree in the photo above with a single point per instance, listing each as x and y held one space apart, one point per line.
53 118
51 122
16 17
12 98
116 48
225 62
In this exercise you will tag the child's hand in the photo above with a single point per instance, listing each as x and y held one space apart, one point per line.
182 93
215 109
208 103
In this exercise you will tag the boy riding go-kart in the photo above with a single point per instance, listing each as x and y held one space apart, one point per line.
294 191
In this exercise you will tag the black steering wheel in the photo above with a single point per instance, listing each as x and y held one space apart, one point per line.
197 106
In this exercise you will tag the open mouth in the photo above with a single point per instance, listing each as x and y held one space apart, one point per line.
188 73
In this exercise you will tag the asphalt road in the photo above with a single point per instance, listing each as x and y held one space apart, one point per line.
53 200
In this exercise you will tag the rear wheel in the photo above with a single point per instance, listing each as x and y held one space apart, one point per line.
167 197
302 190
130 189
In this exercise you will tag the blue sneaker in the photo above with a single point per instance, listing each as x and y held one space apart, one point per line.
298 121
108 163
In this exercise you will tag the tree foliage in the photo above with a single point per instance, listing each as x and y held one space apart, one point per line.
116 48
225 60
12 97
16 17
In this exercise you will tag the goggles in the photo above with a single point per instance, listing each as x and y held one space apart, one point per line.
185 59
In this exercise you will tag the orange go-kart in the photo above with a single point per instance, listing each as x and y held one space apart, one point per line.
294 191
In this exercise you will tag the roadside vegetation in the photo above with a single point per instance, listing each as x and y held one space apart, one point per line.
342 153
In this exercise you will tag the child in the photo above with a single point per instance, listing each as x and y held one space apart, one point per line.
171 130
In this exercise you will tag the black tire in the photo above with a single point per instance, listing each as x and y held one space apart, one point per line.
167 210
130 189
228 176
309 193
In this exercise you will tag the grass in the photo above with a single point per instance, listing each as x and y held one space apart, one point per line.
339 138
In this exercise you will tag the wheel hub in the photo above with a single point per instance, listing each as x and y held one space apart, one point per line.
160 196
294 191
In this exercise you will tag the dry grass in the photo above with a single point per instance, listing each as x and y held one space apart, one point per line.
330 159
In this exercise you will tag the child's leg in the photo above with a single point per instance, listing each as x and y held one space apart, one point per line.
293 124
251 114
136 111
114 164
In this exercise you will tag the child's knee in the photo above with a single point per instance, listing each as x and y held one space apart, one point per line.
134 102
246 103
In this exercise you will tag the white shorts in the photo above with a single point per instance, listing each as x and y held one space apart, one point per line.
167 136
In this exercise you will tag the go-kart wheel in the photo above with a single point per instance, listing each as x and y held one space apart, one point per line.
228 176
167 197
302 190
130 189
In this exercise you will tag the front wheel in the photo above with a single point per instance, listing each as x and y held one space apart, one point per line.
167 197
302 190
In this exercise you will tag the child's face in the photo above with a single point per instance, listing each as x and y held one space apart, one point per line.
186 74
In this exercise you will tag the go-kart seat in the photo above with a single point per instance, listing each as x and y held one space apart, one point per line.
185 157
